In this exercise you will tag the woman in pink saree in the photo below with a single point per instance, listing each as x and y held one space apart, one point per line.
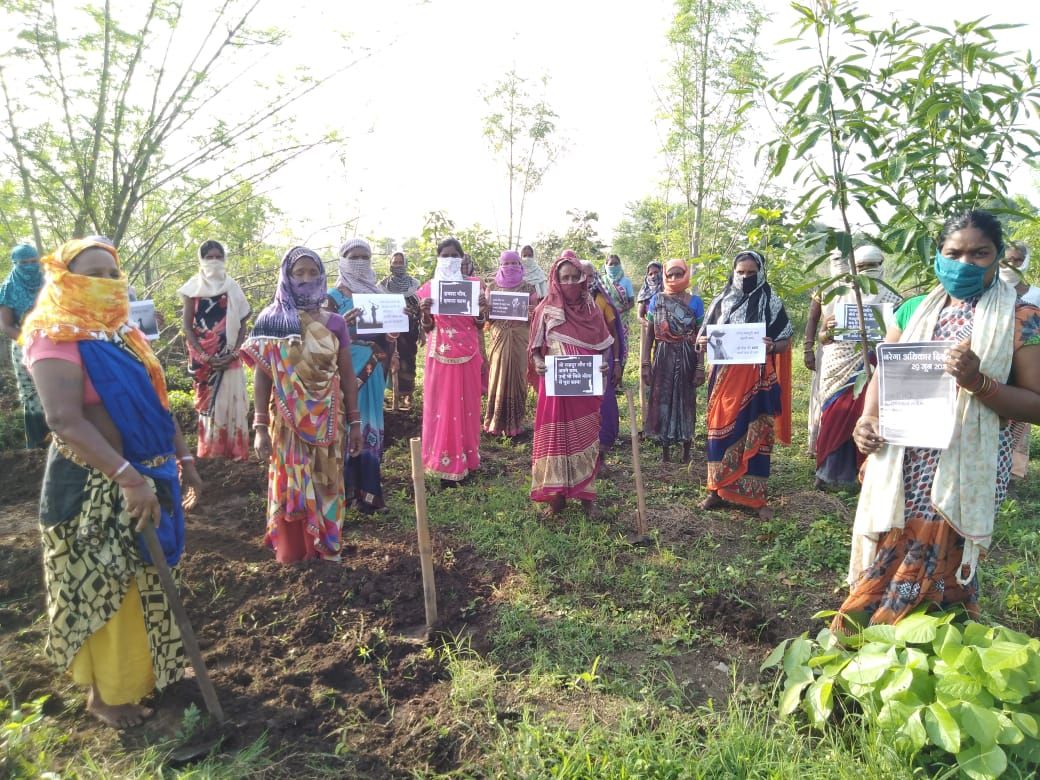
451 382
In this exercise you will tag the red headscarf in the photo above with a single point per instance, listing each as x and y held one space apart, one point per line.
579 323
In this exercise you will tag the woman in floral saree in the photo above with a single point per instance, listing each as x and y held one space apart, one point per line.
507 354
305 398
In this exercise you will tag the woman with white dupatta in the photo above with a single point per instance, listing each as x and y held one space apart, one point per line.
925 516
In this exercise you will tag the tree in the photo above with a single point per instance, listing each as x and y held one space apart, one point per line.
582 236
520 129
133 143
904 125
713 65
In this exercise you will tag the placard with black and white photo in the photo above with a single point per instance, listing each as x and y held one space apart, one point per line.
142 315
380 313
456 298
509 305
737 343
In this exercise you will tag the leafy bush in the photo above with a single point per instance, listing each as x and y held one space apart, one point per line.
182 405
966 691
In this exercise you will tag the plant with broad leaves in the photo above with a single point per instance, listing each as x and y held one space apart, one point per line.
962 693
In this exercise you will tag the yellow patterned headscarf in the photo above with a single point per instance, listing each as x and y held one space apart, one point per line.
73 307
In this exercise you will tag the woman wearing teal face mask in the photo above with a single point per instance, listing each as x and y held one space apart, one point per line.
925 516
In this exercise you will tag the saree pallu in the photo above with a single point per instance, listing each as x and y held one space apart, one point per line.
305 494
362 474
671 407
33 418
110 621
221 398
452 388
745 410
507 377
565 453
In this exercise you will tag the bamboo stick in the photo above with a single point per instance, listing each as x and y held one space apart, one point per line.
423 530
641 524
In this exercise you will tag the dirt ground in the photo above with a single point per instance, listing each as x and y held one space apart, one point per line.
314 655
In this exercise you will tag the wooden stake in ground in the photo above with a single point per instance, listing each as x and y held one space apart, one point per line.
191 645
641 525
423 530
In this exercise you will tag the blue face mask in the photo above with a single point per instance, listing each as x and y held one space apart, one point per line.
961 280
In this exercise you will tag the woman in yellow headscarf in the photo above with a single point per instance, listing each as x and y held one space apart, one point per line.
112 468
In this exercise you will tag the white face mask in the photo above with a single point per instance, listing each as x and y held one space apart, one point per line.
213 270
1010 275
872 271
448 269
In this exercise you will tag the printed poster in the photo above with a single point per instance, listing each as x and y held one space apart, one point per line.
509 305
736 343
571 375
456 298
142 315
916 397
847 316
380 313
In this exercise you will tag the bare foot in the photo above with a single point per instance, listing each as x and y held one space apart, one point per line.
712 502
118 716
765 513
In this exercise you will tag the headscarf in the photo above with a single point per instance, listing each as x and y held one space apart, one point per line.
281 318
760 305
356 273
578 323
650 286
1015 276
74 307
23 283
511 275
680 285
533 273
449 269
399 282
212 280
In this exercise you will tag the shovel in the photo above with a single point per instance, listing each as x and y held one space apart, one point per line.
191 647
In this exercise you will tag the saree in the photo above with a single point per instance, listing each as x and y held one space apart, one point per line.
362 475
671 407
34 420
221 399
452 390
617 355
305 497
110 622
507 373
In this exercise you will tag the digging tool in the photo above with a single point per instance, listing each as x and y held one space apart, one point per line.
640 537
191 645
423 530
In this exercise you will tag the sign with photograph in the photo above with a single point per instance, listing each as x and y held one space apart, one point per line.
142 315
736 343
509 305
847 316
380 313
916 397
570 375
456 298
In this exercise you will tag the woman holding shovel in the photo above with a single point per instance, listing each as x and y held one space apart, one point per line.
112 469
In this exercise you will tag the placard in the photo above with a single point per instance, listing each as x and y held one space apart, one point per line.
916 397
456 298
509 305
573 375
380 313
847 319
142 315
736 343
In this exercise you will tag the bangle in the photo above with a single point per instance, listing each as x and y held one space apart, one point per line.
645 363
986 389
260 425
134 484
978 384
354 422
123 467
186 458
261 419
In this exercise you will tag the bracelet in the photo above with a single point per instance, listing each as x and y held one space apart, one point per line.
186 458
134 484
977 385
353 423
260 425
261 419
125 465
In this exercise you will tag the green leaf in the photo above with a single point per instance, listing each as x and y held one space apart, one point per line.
1027 723
942 728
958 686
866 668
791 696
917 628
900 682
948 645
774 658
880 632
894 714
981 763
820 698
1009 733
1003 655
915 730
797 654
978 723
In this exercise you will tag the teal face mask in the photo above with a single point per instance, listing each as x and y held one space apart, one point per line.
615 272
961 280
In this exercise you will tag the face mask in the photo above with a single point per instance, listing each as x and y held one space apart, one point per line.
1010 275
615 272
871 271
571 292
213 270
960 280
748 284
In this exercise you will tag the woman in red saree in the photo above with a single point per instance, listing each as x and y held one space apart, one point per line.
749 405
565 451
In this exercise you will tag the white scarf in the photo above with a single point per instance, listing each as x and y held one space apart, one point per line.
449 269
212 280
964 487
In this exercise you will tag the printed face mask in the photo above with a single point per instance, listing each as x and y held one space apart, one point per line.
960 280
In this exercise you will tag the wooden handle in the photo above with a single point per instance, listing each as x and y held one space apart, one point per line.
191 645
423 530
641 525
